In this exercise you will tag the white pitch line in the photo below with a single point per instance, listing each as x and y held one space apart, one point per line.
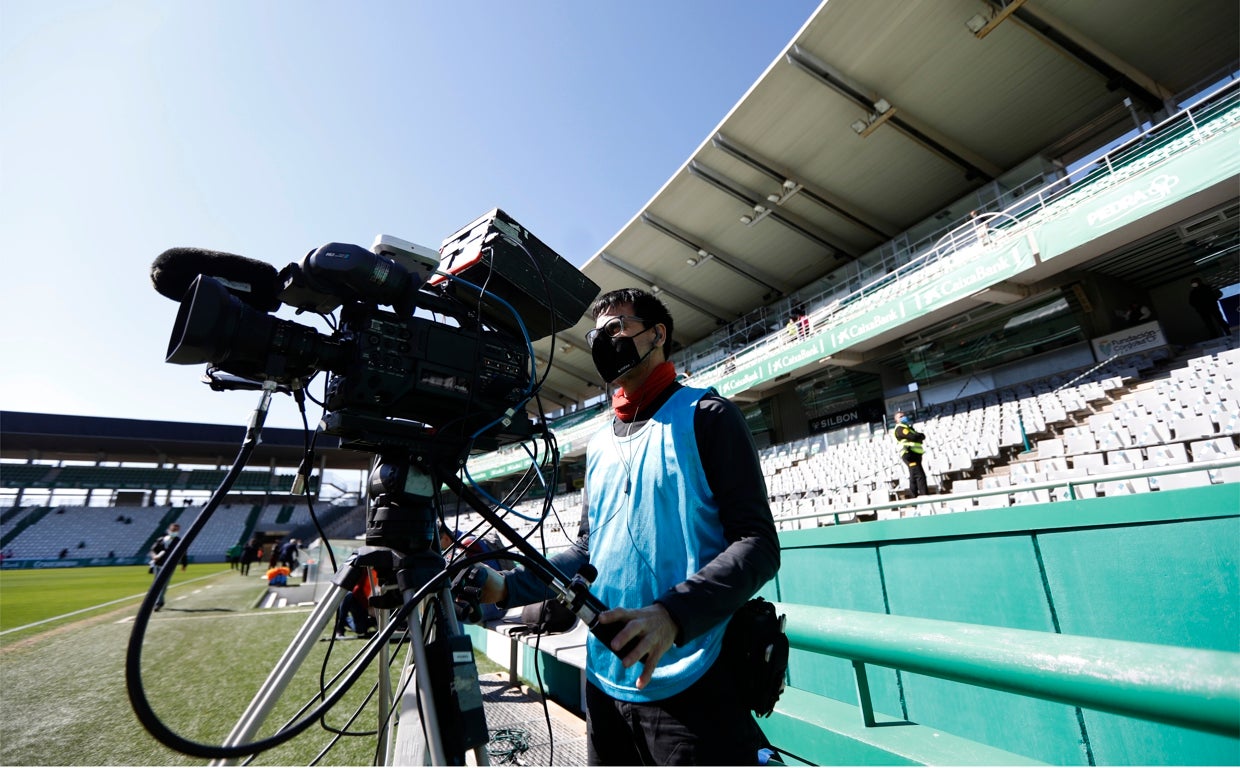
94 607
222 615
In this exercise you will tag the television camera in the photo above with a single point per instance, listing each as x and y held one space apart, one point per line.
447 369
453 354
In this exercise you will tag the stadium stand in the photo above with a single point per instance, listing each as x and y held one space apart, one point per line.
231 524
89 533
1076 424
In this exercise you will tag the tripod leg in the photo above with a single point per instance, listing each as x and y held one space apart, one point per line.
385 690
417 738
452 627
254 716
412 721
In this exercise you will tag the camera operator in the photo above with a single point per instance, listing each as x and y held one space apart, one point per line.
677 519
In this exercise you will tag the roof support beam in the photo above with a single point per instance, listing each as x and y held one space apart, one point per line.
1094 57
700 248
845 358
660 288
718 181
746 156
1001 11
806 62
1003 292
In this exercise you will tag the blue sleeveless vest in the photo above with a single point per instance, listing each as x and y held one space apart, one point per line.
653 523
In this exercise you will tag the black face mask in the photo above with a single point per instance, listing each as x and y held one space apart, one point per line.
616 356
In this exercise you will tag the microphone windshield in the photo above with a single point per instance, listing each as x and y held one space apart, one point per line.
254 282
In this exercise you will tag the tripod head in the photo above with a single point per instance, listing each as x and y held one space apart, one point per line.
401 510
401 514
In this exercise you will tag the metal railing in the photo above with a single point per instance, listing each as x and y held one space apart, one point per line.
1068 485
1187 687
1213 114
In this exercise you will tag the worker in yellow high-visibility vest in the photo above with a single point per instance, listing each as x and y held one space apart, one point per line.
911 453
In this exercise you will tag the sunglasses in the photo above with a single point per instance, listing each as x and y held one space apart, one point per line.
613 328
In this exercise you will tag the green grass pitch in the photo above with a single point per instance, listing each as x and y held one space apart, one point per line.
63 699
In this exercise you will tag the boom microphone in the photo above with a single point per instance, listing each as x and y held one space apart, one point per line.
254 282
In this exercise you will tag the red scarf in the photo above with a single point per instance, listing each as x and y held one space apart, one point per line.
625 404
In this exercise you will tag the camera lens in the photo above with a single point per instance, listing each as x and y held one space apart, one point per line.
214 326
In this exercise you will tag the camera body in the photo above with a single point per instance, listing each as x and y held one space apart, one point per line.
449 359
417 369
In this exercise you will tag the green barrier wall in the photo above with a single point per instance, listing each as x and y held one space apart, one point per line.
1154 568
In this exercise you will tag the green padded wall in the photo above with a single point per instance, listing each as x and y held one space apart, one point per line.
1156 568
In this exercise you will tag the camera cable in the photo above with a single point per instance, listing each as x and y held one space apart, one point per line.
508 744
133 656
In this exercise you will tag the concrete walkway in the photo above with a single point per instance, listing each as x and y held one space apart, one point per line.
520 710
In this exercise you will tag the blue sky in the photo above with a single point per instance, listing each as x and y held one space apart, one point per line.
270 128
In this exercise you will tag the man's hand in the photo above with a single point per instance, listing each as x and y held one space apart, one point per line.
494 590
654 629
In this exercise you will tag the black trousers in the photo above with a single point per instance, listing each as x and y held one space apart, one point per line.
351 606
706 724
1213 320
916 476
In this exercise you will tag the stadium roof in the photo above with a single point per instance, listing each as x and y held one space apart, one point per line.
33 436
877 117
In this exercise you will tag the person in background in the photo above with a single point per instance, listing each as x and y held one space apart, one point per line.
912 452
288 554
355 609
1136 314
1204 300
278 576
678 552
980 230
159 555
249 553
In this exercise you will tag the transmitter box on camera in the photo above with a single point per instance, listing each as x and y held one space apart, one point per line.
418 259
498 254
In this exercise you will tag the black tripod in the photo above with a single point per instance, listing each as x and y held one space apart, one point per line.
439 716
